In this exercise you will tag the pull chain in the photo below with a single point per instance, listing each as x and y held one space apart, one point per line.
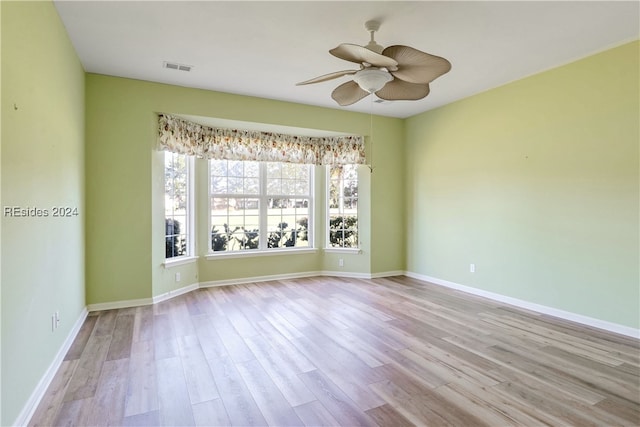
371 131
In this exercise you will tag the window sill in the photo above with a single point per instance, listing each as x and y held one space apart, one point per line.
343 250
285 252
174 262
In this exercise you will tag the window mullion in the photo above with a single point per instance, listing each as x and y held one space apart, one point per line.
263 206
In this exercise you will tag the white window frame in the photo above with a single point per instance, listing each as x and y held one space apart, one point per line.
189 256
327 243
263 198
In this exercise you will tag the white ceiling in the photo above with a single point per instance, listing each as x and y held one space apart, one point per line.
264 48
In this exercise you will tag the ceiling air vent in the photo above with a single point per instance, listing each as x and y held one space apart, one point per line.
176 66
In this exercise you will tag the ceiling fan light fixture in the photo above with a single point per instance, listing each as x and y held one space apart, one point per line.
372 79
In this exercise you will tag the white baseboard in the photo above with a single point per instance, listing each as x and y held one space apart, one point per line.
344 274
538 308
34 400
387 274
119 304
255 279
336 273
175 293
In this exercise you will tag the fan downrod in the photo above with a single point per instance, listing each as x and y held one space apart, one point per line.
373 26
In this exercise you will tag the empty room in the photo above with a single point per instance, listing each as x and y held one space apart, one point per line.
323 213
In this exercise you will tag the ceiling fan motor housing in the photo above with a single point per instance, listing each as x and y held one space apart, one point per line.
372 79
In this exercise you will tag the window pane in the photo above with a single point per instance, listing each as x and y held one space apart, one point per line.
273 170
251 186
252 169
274 186
176 204
234 185
236 168
288 186
218 184
218 167
342 195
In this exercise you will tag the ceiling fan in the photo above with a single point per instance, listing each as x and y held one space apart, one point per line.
393 73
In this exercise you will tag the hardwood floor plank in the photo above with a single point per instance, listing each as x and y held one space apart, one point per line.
210 342
562 411
107 406
180 317
350 382
211 413
76 349
274 407
426 396
315 414
409 406
508 408
335 400
73 413
49 406
163 328
620 409
387 416
282 325
173 394
142 420
281 372
446 365
120 347
233 342
200 382
142 387
286 349
238 400
105 323
84 381
143 324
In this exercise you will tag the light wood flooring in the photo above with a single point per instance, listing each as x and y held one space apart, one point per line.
332 351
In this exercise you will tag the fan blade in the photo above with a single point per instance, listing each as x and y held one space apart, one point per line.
397 90
415 66
326 77
348 93
359 54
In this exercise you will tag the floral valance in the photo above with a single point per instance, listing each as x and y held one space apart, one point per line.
182 136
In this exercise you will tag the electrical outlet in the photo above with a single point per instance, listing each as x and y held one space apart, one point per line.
55 320
177 277
341 262
472 268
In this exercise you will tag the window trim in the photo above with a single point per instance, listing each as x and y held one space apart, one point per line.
181 260
263 197
327 243
190 233
259 253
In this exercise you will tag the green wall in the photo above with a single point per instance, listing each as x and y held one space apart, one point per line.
537 184
42 166
125 223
